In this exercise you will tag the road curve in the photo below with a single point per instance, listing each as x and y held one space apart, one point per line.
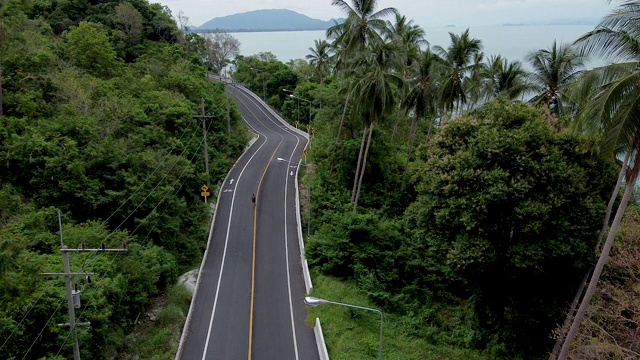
249 299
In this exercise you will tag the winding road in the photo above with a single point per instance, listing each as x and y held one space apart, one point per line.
249 298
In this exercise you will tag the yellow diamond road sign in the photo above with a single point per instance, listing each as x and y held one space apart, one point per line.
204 188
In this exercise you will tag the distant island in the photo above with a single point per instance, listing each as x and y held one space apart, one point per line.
575 21
266 20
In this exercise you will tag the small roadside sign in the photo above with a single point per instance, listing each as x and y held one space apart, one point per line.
306 152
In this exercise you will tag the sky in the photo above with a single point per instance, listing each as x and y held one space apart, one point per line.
426 13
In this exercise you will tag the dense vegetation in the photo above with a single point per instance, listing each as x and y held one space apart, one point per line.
445 198
469 217
96 121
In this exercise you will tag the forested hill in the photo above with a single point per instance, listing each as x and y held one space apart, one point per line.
96 121
266 20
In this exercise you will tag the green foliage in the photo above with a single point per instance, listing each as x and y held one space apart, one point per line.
435 333
88 47
104 132
510 209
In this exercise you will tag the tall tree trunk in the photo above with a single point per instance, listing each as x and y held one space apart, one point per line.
364 165
344 115
615 226
395 125
431 120
355 179
1 99
605 225
412 138
567 321
614 196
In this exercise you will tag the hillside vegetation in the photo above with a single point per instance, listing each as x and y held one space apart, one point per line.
462 194
97 122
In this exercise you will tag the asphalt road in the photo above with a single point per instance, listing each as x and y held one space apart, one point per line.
249 301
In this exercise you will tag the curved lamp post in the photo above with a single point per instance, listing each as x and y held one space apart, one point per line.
314 301
308 133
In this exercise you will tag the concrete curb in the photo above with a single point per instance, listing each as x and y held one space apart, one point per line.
322 347
320 343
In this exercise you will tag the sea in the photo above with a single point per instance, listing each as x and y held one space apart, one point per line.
512 42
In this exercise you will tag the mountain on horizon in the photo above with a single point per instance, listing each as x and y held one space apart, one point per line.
266 20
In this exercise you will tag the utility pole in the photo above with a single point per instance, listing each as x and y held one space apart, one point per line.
228 116
73 296
203 116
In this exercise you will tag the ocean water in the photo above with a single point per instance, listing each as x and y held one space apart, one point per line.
512 42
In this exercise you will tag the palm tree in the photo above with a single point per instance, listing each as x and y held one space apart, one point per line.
363 24
504 78
407 37
458 56
422 93
375 94
554 69
616 110
320 57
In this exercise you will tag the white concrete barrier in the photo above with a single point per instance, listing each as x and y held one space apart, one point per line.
322 347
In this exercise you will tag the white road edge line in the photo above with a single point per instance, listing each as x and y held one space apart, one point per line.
226 242
286 241
286 250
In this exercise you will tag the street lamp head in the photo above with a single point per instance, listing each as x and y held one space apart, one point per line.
291 96
287 90
314 301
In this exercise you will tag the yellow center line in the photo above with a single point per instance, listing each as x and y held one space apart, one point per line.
255 229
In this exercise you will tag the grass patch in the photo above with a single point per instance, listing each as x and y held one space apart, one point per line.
159 339
354 334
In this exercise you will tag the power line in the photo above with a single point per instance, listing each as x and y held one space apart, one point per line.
26 314
96 290
42 330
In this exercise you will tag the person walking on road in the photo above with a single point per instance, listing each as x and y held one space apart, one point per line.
253 200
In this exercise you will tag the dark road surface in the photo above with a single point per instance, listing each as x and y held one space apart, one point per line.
249 300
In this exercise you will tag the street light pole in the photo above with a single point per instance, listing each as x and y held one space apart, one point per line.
314 301
310 103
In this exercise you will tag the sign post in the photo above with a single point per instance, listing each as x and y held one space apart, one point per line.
205 192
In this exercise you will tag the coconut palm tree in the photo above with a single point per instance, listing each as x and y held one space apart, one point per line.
503 78
458 57
363 24
615 111
407 37
375 92
320 57
554 70
422 98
